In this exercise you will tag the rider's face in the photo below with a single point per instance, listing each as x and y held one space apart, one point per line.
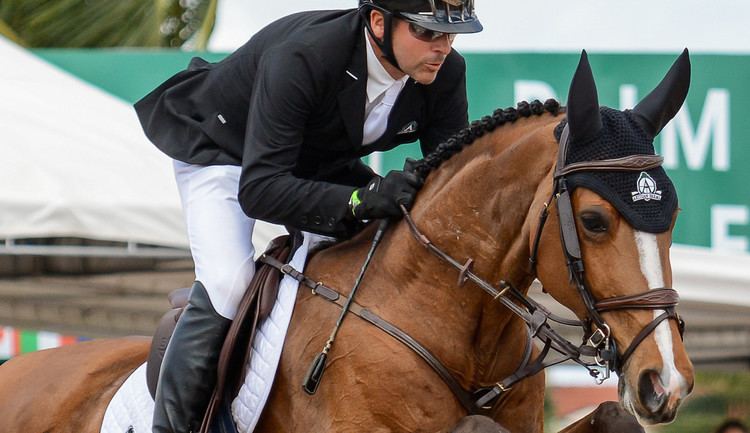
420 52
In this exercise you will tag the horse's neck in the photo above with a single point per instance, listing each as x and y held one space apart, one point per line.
475 207
478 203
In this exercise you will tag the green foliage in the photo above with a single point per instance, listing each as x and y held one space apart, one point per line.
549 412
716 397
107 23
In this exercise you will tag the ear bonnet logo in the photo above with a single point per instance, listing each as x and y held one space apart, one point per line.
646 189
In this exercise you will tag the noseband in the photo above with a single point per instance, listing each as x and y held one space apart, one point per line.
597 333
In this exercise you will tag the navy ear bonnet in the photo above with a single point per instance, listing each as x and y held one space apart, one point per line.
646 199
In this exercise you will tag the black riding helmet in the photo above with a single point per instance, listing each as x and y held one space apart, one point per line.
445 16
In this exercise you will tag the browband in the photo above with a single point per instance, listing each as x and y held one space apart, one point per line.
626 163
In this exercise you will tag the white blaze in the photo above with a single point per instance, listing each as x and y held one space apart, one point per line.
651 267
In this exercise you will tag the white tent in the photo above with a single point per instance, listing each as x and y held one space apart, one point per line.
75 163
710 276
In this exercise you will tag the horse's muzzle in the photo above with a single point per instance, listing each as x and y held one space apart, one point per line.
657 402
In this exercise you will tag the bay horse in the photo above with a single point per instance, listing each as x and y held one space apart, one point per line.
496 194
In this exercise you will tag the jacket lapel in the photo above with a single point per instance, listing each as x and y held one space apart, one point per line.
402 115
406 107
352 96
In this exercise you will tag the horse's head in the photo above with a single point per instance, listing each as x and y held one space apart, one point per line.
611 222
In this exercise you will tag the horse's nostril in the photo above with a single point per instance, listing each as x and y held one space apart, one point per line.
651 391
656 383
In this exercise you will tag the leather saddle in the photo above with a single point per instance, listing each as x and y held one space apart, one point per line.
256 305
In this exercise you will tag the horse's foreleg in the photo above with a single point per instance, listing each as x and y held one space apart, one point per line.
609 417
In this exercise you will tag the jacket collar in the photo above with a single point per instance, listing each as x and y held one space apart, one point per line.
378 79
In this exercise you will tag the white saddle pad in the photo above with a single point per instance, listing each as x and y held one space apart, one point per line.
131 409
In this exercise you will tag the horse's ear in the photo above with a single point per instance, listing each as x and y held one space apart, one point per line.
661 105
583 102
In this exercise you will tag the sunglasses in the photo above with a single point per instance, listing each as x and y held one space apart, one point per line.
426 35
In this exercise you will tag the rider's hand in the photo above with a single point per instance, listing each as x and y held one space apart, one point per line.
381 196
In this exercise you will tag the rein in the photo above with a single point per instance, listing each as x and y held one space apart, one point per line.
478 401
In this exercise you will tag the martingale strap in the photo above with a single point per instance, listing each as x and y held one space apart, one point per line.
464 397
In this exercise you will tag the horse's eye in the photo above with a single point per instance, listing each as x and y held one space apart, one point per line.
594 222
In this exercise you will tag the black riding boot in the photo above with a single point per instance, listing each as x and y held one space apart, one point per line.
188 372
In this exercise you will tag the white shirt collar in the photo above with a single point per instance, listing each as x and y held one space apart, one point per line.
378 79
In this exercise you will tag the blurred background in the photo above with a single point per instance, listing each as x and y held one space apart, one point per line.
91 231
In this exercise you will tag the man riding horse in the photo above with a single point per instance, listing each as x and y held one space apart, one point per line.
276 131
426 348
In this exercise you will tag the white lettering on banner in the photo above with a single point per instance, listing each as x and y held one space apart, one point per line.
713 128
528 90
723 216
628 96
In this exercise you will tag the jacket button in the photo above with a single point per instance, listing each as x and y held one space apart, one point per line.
317 220
303 220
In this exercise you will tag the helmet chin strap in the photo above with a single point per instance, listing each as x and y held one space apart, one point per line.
386 44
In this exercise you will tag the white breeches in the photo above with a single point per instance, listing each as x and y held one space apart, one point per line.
219 232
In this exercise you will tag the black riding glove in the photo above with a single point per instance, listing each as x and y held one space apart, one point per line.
381 196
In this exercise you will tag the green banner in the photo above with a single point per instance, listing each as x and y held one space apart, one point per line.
706 147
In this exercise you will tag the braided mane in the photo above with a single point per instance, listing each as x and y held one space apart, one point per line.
478 128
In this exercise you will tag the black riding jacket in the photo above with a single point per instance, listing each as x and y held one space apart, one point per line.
288 106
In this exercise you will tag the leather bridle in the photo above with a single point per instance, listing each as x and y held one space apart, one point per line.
598 342
598 333
598 349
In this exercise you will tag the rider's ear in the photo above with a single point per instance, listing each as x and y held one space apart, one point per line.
377 23
660 106
583 102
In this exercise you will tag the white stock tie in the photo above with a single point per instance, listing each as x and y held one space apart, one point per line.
377 119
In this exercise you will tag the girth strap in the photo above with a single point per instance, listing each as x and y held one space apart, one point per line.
464 397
